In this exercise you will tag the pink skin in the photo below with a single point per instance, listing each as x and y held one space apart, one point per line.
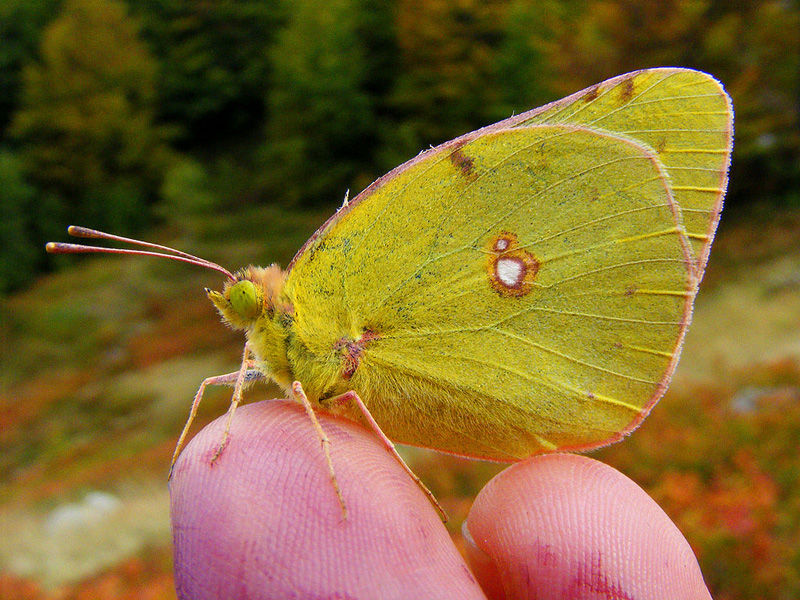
263 521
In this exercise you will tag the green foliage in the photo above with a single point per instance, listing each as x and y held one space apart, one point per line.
18 258
85 124
446 85
21 24
322 118
215 65
525 72
185 191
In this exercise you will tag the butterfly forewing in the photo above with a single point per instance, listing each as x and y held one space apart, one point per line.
523 289
684 116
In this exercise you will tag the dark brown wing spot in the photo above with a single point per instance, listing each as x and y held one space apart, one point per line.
592 93
626 90
462 162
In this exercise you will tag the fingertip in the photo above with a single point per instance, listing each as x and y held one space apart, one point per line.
566 526
264 520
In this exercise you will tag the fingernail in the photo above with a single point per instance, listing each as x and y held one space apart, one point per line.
483 566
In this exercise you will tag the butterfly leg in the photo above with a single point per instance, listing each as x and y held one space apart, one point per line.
242 378
247 375
300 396
351 396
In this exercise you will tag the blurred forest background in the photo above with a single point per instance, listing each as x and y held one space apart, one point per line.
232 129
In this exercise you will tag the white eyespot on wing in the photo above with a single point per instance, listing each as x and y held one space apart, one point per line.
510 271
502 244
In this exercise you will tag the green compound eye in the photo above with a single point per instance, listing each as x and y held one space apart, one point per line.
245 299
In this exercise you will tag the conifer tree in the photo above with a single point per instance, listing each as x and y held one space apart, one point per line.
85 125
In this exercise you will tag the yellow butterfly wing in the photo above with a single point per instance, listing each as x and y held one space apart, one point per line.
517 290
684 116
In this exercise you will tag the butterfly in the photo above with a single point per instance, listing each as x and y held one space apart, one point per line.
521 289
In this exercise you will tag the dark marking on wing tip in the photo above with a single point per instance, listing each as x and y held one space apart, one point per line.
592 93
661 145
617 345
626 90
351 350
631 290
462 162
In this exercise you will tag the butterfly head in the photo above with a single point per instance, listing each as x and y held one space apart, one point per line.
252 294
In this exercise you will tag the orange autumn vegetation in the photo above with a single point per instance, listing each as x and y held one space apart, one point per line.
722 462
148 577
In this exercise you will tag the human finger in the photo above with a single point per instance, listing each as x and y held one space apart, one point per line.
563 526
264 521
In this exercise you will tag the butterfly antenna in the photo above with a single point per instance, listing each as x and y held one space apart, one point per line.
166 252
